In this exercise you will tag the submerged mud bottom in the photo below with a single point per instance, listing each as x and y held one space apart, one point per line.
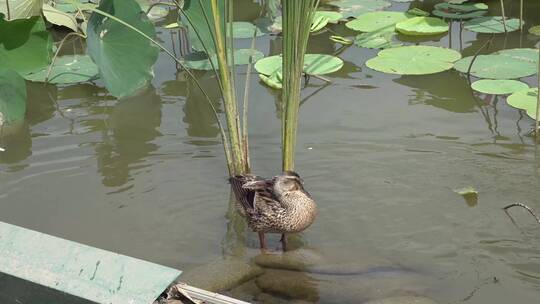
309 276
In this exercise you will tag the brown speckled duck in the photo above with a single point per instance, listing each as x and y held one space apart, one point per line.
277 205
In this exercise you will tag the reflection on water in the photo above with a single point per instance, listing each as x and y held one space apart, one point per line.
381 153
128 135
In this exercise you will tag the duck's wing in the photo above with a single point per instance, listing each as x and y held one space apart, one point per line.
245 188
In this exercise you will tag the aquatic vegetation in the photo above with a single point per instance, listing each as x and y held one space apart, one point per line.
498 86
422 26
66 69
377 21
314 64
460 11
492 25
12 97
354 8
414 60
525 100
507 64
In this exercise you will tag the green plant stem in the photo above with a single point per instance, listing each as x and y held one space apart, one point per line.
8 10
297 19
521 15
224 140
245 137
503 16
229 100
537 102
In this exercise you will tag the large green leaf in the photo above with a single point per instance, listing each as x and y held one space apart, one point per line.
497 66
530 55
419 26
123 56
242 29
376 40
12 96
21 9
491 25
198 61
460 11
67 69
414 60
314 64
60 18
377 21
203 23
525 100
354 8
25 44
333 17
498 86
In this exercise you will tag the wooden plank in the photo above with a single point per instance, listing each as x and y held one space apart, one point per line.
83 271
207 296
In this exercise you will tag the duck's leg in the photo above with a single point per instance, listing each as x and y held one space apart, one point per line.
284 241
262 240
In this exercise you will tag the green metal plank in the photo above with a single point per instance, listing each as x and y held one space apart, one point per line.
83 271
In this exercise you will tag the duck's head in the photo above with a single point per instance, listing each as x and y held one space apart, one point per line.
287 181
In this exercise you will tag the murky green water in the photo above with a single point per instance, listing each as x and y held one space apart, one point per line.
145 176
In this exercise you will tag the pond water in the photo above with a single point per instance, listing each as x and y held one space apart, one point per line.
145 176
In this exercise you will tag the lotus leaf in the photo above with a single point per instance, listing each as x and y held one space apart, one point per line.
526 54
496 67
461 8
12 96
59 18
318 23
25 44
195 9
499 86
525 100
422 26
274 81
314 64
243 29
21 9
354 8
491 24
340 39
156 12
535 30
333 17
414 60
417 12
376 21
67 69
459 16
199 61
123 56
376 40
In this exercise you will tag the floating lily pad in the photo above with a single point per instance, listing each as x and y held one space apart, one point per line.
498 86
354 8
419 26
123 56
461 8
274 81
314 64
466 191
376 40
525 100
21 9
417 12
25 44
376 21
242 29
414 60
59 18
535 30
12 96
340 39
459 15
470 194
530 55
333 17
491 24
318 23
67 69
198 61
497 66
